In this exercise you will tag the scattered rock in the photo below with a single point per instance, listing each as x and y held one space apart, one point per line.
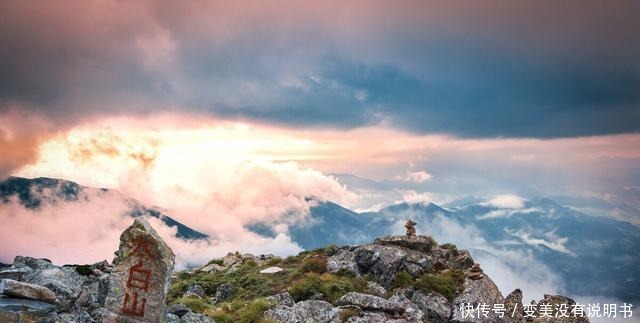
141 277
370 302
436 307
196 318
33 263
376 289
211 268
271 270
513 305
231 259
284 299
418 243
18 289
482 291
66 283
343 259
26 310
14 273
412 312
195 289
178 310
223 292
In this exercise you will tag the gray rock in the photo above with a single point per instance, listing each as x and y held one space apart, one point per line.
419 243
14 273
78 316
382 262
231 259
435 306
513 306
88 297
26 310
309 311
18 289
376 289
284 299
141 276
33 263
370 302
271 270
370 317
66 283
170 318
178 310
343 259
223 292
412 312
196 290
280 314
481 291
211 268
315 311
196 318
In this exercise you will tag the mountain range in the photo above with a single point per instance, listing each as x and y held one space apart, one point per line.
591 255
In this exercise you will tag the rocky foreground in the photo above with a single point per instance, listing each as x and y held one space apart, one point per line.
393 279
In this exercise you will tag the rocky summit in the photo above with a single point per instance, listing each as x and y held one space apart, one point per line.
394 279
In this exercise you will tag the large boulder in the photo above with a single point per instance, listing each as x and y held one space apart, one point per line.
412 312
436 307
344 259
14 288
26 310
309 311
283 298
370 302
420 243
65 282
141 277
383 262
478 292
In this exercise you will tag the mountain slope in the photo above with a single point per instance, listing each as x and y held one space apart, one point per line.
37 192
591 255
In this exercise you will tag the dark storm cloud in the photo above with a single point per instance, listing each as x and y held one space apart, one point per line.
498 68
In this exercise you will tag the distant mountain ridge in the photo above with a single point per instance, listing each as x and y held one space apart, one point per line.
31 194
592 255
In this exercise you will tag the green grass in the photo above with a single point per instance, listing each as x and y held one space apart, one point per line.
194 303
331 286
403 279
314 265
239 311
447 284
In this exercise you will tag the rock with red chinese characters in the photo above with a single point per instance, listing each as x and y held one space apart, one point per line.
141 277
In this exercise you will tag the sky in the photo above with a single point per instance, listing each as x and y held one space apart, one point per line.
240 110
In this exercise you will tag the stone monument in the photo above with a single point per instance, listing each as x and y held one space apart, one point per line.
411 228
141 278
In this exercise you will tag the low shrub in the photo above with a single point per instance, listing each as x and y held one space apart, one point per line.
314 265
243 312
196 304
447 283
402 279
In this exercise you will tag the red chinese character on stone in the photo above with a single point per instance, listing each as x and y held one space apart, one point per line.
142 247
139 277
133 309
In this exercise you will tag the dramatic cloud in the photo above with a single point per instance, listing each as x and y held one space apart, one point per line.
20 135
496 68
216 179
